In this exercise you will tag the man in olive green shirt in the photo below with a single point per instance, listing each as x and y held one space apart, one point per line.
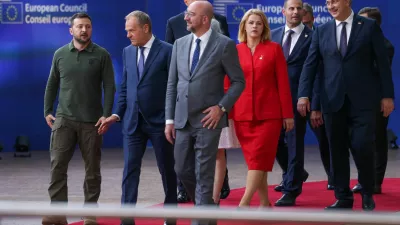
80 71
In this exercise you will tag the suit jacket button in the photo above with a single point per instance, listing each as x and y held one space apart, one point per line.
186 96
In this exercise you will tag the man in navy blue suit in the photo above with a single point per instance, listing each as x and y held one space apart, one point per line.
295 39
349 45
177 28
141 108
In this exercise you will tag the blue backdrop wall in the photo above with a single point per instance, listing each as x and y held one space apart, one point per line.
31 30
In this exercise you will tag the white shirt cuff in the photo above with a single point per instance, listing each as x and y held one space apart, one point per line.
303 97
169 122
119 118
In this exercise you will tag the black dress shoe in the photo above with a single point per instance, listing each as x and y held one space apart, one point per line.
368 203
226 190
305 176
330 187
341 204
279 188
170 222
183 197
286 200
357 188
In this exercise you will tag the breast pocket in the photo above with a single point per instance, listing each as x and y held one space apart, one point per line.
93 65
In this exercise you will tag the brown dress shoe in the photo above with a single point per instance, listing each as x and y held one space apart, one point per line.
54 220
90 220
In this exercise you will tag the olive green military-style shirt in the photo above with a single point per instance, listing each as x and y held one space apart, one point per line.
80 77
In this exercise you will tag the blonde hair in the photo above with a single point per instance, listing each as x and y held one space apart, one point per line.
266 34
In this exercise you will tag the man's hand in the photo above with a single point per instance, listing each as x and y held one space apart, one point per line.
387 106
303 106
50 120
100 122
288 124
214 114
105 124
170 133
316 119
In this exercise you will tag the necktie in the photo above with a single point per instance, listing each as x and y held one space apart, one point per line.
287 44
196 56
343 40
141 62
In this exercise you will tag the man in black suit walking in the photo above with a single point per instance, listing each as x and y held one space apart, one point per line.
176 28
381 140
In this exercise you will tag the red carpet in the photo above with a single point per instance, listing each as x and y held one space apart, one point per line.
314 195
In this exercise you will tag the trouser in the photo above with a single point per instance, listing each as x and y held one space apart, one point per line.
65 135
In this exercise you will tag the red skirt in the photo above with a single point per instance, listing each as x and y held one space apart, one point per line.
259 141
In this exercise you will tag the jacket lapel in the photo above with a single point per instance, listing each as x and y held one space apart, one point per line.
355 30
187 45
303 37
154 50
332 37
211 45
134 53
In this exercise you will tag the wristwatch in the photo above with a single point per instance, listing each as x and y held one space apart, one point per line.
222 108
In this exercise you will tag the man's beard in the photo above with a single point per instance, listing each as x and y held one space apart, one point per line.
81 41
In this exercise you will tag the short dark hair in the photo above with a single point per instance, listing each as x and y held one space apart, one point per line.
308 8
78 16
285 3
373 13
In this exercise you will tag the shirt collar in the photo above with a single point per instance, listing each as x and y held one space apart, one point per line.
204 38
150 42
297 29
349 19
88 48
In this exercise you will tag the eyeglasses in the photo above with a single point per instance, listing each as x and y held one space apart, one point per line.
191 14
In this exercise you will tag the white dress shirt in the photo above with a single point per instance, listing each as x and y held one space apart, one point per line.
145 53
339 28
147 47
295 36
203 43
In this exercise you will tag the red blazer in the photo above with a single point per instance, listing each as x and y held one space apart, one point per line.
267 92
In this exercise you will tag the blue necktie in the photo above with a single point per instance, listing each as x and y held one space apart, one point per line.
287 44
196 56
141 62
343 40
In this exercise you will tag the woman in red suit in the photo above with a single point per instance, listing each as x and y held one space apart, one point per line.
264 106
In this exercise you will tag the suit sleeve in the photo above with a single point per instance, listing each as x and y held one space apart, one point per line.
282 77
383 64
316 99
121 103
169 33
231 65
391 53
170 100
310 67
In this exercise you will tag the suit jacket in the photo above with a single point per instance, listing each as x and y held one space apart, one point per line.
390 49
351 75
176 27
146 95
296 61
188 95
267 93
